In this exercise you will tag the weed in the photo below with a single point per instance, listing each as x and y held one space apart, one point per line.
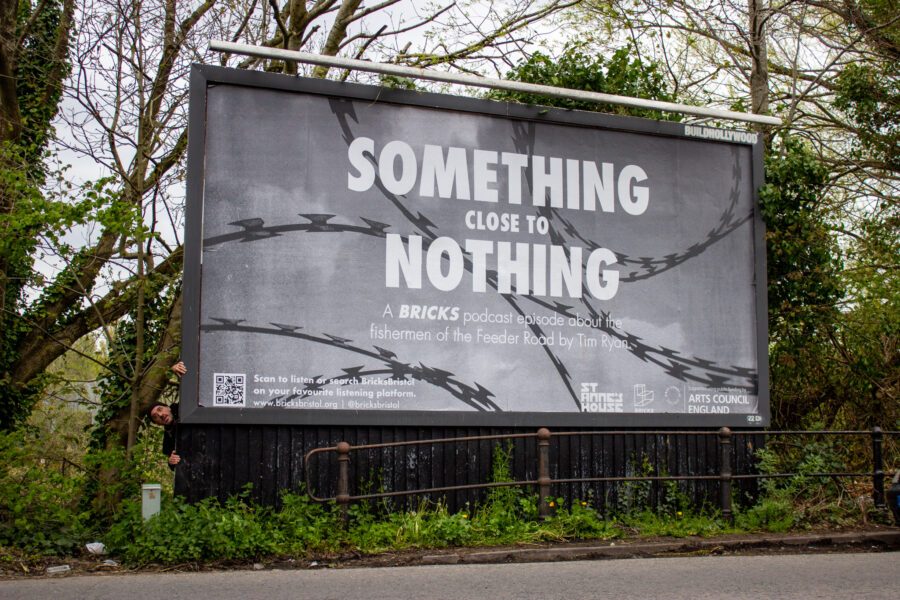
634 496
580 521
651 524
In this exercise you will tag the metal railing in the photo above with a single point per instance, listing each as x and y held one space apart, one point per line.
724 477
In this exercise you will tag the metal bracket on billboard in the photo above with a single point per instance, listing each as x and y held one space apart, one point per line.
486 82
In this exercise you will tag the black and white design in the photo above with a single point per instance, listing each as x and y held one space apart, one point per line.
390 257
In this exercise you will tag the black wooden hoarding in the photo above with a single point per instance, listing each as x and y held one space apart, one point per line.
370 257
220 460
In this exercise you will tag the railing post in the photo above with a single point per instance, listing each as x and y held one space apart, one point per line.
725 472
343 484
543 435
877 467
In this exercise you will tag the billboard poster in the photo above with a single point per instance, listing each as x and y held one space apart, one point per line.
360 256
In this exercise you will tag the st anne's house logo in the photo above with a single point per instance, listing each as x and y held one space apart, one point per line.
595 401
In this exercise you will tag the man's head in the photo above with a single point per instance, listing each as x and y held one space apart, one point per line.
160 414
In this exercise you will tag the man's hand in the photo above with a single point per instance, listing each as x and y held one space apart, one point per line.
179 369
174 459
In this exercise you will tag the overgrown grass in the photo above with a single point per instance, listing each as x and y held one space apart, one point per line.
42 511
238 529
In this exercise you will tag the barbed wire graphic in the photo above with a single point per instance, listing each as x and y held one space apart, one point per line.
650 266
477 397
523 141
255 229
679 367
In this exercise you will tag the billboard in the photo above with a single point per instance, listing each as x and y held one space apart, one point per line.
357 255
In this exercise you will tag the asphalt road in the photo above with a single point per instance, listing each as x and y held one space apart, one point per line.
838 576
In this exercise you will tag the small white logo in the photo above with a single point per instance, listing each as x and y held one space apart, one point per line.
725 135
673 395
642 396
594 401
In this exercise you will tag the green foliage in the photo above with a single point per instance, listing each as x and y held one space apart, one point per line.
39 508
772 513
804 286
189 532
45 476
581 521
634 496
428 526
869 95
44 514
834 313
803 263
867 341
577 69
73 377
144 464
507 513
632 500
38 78
681 524
803 500
306 526
37 218
26 214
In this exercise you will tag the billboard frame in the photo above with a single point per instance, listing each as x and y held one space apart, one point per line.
205 76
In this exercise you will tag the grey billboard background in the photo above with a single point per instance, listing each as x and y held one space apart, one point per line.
291 296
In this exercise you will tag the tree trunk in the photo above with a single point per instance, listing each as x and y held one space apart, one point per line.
10 119
759 69
119 428
138 374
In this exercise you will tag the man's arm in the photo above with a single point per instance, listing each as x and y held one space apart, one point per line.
168 446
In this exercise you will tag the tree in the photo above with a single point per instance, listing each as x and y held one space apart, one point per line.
127 113
33 66
804 287
828 69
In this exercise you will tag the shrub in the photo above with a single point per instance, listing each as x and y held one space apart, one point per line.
39 500
184 532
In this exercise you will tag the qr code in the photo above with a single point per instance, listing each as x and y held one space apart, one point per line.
229 389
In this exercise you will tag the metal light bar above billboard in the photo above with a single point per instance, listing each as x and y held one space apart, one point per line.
486 82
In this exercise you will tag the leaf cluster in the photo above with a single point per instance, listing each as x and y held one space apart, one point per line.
869 95
39 499
805 499
803 258
621 73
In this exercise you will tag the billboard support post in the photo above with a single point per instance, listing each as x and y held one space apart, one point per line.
543 435
343 490
877 467
725 472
